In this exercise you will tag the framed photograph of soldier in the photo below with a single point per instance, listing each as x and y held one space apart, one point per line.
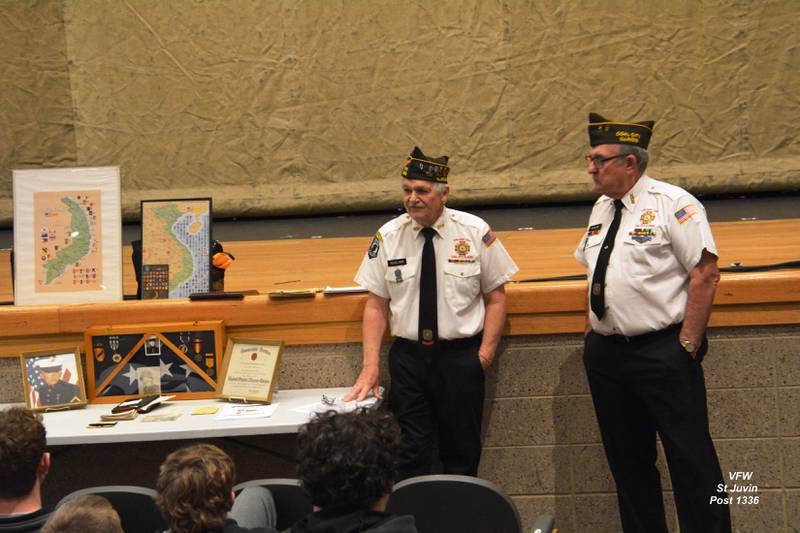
176 248
52 380
67 235
135 360
250 369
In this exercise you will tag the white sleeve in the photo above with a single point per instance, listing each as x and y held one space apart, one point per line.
579 254
371 273
497 267
690 232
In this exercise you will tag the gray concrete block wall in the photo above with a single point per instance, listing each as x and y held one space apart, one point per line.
541 443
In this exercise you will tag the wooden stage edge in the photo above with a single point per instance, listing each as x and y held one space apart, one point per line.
743 299
533 309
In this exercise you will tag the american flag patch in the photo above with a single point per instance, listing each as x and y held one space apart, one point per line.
685 213
489 238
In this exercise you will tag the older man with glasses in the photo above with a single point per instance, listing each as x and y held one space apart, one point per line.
652 273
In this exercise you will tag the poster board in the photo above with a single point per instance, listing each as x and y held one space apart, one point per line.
176 247
67 236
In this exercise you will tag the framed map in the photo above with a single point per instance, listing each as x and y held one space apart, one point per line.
176 247
186 357
67 235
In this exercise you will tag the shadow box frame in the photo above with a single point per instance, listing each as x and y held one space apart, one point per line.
146 331
75 352
232 352
149 249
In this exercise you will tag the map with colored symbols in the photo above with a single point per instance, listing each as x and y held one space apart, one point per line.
67 254
176 240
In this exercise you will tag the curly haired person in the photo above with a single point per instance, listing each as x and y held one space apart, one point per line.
195 495
348 464
24 463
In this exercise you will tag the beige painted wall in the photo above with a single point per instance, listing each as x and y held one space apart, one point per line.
293 106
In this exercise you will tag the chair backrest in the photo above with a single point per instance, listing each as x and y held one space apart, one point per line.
291 502
445 503
136 506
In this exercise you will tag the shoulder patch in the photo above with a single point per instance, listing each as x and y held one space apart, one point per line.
375 245
489 238
685 213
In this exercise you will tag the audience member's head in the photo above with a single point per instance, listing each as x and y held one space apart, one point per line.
348 459
23 459
194 488
84 513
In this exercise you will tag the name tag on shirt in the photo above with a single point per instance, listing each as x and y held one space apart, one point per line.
397 262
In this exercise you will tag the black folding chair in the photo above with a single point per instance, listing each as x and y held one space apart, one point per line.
136 506
445 503
291 502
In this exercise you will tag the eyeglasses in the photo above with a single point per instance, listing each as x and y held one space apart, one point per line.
600 161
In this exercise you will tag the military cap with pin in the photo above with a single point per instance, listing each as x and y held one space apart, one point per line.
419 166
50 364
604 131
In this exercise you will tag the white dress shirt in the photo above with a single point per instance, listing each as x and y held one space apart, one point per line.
470 261
662 234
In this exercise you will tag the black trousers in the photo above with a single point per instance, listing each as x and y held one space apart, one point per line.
640 386
438 391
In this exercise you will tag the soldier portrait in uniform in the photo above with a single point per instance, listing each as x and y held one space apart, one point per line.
53 379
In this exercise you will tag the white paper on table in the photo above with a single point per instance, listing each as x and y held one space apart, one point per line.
240 411
344 290
338 405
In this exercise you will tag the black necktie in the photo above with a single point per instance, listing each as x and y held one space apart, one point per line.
598 298
428 326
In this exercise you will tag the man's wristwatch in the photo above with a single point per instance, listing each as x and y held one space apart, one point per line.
688 345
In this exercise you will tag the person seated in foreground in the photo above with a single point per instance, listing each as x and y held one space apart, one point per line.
24 463
195 495
85 513
348 464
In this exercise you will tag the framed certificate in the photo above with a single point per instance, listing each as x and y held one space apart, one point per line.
249 370
53 379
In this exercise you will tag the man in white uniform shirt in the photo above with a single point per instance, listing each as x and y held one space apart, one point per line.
437 276
652 274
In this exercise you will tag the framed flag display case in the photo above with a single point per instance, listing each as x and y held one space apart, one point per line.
187 356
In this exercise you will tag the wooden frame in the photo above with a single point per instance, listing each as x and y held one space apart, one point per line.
254 365
67 236
188 353
63 388
163 271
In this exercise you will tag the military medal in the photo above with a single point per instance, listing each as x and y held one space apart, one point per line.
183 339
197 344
113 343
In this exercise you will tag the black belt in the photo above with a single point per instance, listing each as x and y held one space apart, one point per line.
445 344
645 337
